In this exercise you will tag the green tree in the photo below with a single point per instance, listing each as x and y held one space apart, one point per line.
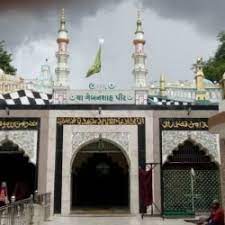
6 60
214 68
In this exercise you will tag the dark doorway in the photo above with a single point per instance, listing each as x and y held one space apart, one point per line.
100 178
16 170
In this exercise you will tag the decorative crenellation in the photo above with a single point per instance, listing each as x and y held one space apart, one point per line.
26 140
185 90
172 138
80 138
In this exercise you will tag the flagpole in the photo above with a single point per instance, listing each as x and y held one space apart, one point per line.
192 189
101 42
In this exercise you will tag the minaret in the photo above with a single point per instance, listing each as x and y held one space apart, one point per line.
140 71
45 71
44 80
62 70
162 86
199 80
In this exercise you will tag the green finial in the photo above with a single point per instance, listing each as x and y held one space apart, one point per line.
62 20
139 23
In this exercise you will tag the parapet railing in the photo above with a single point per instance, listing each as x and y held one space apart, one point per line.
22 212
45 201
17 213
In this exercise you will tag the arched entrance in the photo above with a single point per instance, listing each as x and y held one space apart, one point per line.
100 178
16 170
190 180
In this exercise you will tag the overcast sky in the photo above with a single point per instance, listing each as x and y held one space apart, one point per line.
176 32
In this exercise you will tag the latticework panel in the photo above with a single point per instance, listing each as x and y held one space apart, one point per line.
206 188
176 190
186 193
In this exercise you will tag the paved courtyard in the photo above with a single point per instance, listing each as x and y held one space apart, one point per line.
88 220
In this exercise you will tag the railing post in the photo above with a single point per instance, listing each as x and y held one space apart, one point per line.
12 212
31 209
36 196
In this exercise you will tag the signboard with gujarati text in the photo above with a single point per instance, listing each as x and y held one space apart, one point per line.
101 97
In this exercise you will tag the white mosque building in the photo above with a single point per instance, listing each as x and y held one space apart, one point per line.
90 148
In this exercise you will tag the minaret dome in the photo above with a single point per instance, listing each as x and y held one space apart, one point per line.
63 33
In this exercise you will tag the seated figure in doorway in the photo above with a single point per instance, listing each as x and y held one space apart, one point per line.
217 214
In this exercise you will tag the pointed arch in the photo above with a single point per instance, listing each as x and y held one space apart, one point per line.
95 140
7 146
16 169
190 152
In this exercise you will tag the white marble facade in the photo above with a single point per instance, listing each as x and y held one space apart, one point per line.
126 138
77 136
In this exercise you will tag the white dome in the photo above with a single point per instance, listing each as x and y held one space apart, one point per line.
2 71
209 82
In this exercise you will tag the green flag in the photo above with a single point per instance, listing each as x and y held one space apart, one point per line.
96 67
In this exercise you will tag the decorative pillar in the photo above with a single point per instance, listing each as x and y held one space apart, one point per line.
162 86
199 81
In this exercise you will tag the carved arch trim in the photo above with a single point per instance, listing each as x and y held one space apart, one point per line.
195 143
172 138
119 139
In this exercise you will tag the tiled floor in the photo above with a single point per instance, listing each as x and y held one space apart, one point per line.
122 220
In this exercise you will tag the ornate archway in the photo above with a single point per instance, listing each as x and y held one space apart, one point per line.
190 180
16 170
100 177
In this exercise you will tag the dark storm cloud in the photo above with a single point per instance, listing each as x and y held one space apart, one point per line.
26 20
22 20
39 6
207 16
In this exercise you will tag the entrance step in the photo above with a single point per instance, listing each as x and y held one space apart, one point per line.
101 215
132 220
110 212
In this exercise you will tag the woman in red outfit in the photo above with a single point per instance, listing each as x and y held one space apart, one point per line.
3 194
